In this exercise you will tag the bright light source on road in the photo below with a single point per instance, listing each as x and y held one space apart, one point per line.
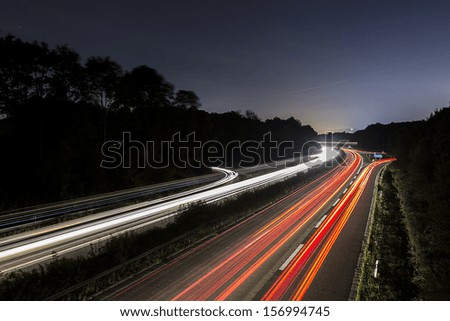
72 238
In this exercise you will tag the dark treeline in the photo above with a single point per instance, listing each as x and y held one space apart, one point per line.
57 111
421 177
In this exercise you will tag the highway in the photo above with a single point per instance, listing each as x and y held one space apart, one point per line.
337 274
277 253
43 212
37 246
238 263
296 278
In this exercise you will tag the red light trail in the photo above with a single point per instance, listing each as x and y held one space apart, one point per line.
290 285
259 247
256 258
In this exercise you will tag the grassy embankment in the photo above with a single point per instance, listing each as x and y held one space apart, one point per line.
388 243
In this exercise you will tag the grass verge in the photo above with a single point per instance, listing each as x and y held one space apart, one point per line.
387 271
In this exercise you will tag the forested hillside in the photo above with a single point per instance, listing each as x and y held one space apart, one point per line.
421 177
57 110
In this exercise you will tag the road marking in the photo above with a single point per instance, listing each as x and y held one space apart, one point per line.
351 183
291 257
337 201
320 222
375 272
345 191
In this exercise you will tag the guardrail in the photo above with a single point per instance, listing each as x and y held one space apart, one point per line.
39 213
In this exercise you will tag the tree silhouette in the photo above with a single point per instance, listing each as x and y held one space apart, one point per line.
250 114
187 99
102 77
32 70
57 112
144 87
66 74
16 73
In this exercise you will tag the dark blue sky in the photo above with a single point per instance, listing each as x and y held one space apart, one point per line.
332 64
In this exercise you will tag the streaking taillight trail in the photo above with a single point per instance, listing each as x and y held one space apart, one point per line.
296 278
259 247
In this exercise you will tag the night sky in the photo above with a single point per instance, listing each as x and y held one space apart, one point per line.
332 64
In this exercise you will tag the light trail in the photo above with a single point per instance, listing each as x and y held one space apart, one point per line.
226 254
315 251
259 247
332 185
10 220
18 250
238 263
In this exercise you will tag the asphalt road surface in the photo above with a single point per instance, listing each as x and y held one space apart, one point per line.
243 262
324 268
334 280
35 214
37 246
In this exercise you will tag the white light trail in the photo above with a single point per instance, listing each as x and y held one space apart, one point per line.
80 233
